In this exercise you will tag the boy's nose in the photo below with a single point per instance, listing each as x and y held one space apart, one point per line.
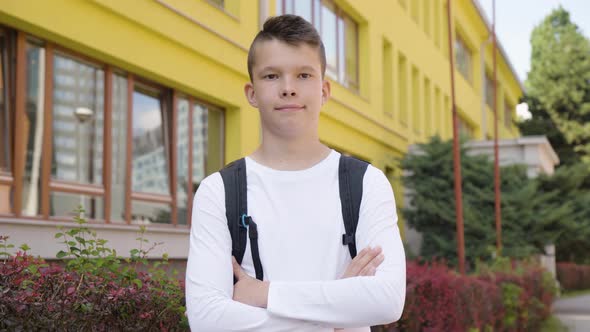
288 89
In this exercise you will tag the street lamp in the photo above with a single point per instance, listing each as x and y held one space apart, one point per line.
83 114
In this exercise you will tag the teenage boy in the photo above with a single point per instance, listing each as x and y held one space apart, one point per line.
310 281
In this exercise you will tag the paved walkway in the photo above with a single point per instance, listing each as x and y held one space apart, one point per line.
574 312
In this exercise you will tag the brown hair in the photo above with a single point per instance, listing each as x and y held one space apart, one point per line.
291 29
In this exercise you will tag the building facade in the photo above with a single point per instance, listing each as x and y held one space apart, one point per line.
123 107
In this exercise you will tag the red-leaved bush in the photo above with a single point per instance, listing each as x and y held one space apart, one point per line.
573 276
438 299
35 296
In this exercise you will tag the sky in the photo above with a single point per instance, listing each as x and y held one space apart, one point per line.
516 19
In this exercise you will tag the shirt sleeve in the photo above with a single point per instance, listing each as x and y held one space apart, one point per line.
357 301
209 275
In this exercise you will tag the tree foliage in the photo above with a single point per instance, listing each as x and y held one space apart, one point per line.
559 80
534 211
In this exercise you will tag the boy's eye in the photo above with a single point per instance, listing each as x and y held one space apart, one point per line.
271 76
305 75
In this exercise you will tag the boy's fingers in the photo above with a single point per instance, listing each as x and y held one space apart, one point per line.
361 261
371 268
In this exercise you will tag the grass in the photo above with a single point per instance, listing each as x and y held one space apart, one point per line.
553 324
569 294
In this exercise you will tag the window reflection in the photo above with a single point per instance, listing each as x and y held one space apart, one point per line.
303 9
119 148
489 87
463 58
207 142
328 33
150 162
65 205
5 120
78 121
183 162
35 89
5 136
339 34
143 213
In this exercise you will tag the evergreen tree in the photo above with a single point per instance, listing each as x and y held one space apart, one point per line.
541 123
560 80
530 217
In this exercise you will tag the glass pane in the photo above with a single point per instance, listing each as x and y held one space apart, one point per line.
507 115
215 125
329 37
77 121
119 148
341 58
219 3
200 137
5 137
182 151
143 213
317 7
66 204
35 90
489 91
150 162
463 58
289 6
351 52
303 9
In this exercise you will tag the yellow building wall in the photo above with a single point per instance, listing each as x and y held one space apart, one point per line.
199 49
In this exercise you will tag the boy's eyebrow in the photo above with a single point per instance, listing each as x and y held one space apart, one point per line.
272 68
268 68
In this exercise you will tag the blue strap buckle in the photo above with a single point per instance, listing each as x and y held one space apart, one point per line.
244 223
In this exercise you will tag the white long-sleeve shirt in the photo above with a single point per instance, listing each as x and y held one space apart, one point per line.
300 229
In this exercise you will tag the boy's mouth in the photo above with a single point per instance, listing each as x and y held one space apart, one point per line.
289 108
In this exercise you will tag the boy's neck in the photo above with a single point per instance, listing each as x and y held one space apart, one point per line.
290 155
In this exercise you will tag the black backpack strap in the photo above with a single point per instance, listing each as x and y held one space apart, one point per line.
236 204
350 177
236 211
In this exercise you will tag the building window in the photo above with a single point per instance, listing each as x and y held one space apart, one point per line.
199 146
402 83
416 97
489 91
231 7
387 79
463 58
507 115
34 113
427 108
464 128
440 116
339 34
77 133
118 126
6 118
124 161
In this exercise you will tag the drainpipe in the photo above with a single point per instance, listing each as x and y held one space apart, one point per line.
456 154
484 118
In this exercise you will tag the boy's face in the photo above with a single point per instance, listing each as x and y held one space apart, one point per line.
287 88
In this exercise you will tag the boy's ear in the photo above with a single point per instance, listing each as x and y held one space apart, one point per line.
326 91
250 94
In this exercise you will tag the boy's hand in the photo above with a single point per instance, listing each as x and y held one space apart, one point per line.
365 263
248 290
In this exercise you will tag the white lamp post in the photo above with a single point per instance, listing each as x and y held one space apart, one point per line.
83 114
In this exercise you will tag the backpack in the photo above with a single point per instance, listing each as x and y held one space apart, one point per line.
350 177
